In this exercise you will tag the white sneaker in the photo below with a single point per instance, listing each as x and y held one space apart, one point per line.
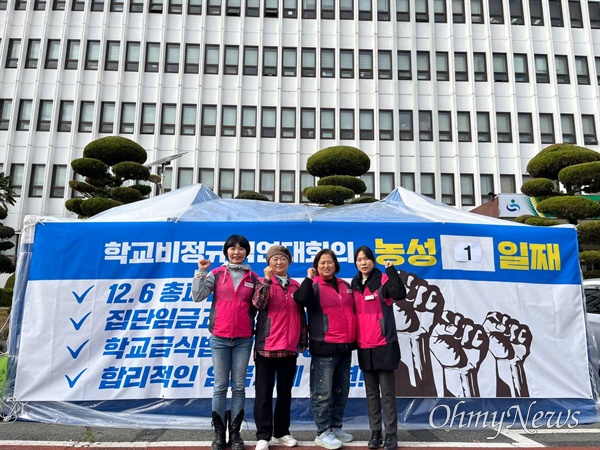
327 440
287 440
262 445
342 435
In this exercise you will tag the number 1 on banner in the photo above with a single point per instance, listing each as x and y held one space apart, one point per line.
474 253
467 252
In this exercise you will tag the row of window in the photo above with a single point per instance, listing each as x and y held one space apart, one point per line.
226 122
346 9
280 185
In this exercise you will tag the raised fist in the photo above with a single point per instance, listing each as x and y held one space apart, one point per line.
203 264
268 271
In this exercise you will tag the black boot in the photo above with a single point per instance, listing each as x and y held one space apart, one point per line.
391 441
218 442
235 440
376 440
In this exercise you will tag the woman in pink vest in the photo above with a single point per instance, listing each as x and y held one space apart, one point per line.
377 339
231 324
280 332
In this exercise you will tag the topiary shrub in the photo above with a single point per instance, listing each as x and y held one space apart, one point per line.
96 205
125 194
338 160
6 295
589 257
538 187
10 281
365 199
581 177
523 218
551 160
541 222
335 195
588 232
252 195
357 185
571 208
131 171
114 149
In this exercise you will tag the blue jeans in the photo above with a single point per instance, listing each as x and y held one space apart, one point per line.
230 361
329 388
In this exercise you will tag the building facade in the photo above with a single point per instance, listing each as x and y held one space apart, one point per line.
450 98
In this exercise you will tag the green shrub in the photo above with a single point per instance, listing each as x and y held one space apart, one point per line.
89 167
129 170
74 205
252 195
523 218
96 205
581 177
355 184
589 232
589 257
6 232
365 199
541 222
571 208
126 194
6 295
552 159
10 281
143 189
335 195
591 274
538 187
338 160
6 264
114 149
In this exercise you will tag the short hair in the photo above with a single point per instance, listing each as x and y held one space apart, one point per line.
367 251
234 240
329 252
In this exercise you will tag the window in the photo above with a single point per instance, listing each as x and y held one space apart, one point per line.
562 69
461 72
136 6
271 8
194 7
232 60
448 196
127 118
148 118
113 49
541 69
72 59
188 120
213 8
327 124
567 123
5 113
486 181
476 11
167 180
175 6
58 5
192 58
525 128
229 121
309 62
92 55
252 8
597 61
327 9
516 12
52 54
346 124
407 181
423 70
546 129
287 186
107 117
250 60
207 178
59 178
327 63
269 61
402 11
421 11
386 183
441 66
308 121
132 57
463 120
309 9
405 124
536 13
594 11
467 190
38 5
33 54
581 67
384 64
458 11
346 63
445 126
404 66
428 185
20 5
172 58
521 70
226 183
86 117
479 67
366 124
247 180
44 115
556 15
369 180
365 64
483 127
290 9
24 117
589 130
36 182
168 118
503 127
306 181
211 59
98 5
500 67
288 122
16 178
268 122
496 11
383 10
575 14
386 125
507 184
185 177
209 120
440 14
65 116
425 126
248 121
267 184
365 11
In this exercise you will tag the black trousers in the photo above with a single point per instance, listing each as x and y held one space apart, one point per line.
267 371
383 381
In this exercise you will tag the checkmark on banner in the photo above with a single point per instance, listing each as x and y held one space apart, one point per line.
77 325
75 353
73 381
81 297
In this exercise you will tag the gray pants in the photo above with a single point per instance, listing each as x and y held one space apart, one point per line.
384 380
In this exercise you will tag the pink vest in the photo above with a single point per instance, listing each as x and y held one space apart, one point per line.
334 322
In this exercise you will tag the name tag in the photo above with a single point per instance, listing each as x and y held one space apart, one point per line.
369 297
248 285
348 291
